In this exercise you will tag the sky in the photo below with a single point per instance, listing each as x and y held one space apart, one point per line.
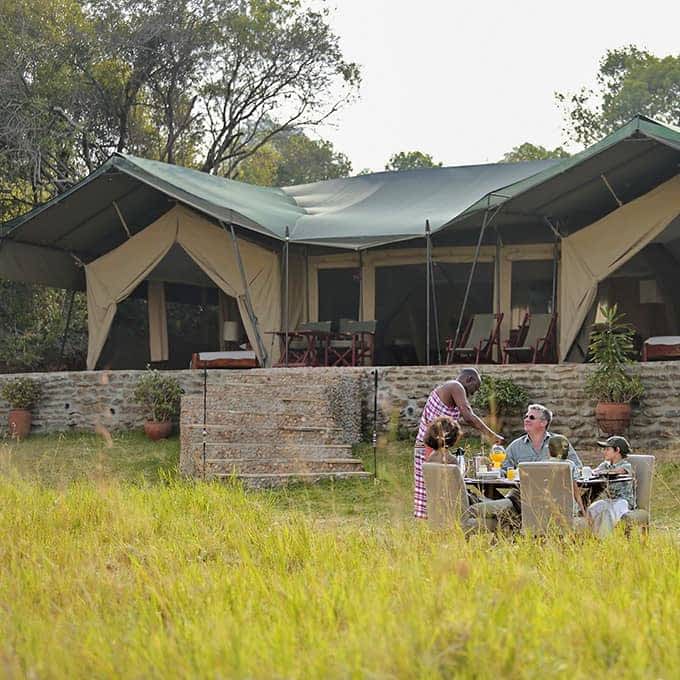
467 82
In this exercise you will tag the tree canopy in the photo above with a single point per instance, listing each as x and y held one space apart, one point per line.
411 160
630 81
206 89
532 152
291 157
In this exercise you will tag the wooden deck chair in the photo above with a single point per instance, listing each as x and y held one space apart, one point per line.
447 499
477 342
538 346
547 498
643 468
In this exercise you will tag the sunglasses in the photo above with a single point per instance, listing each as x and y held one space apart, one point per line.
530 416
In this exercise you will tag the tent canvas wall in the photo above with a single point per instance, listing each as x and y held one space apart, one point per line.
112 277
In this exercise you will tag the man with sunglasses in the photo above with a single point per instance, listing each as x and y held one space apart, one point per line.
532 446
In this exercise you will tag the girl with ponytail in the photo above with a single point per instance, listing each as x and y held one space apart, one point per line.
442 434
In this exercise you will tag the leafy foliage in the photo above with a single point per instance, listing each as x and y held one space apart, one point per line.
159 395
611 348
411 160
533 152
500 396
32 322
293 158
22 393
206 89
629 81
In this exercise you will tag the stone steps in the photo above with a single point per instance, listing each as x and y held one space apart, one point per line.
240 466
309 435
260 481
269 431
267 451
258 403
235 419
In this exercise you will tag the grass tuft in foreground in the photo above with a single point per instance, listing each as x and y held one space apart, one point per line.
118 575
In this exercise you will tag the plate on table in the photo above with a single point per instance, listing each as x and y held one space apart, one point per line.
490 474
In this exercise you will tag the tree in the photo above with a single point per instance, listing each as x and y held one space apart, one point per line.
630 81
411 160
532 152
293 158
82 80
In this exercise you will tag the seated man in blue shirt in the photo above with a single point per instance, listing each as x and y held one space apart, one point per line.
532 446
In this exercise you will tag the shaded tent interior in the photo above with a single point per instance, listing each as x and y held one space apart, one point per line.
362 237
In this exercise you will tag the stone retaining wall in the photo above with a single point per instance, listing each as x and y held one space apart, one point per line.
85 400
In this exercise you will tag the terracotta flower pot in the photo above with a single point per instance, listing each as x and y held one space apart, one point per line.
19 421
613 418
157 430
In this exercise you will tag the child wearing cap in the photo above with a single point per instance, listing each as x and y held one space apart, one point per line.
558 448
618 497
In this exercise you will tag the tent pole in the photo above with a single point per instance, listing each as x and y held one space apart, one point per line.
205 414
374 437
361 285
285 297
472 273
558 238
66 326
435 310
427 292
248 302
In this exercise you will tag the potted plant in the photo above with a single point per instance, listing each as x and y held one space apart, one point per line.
22 394
611 349
159 395
500 397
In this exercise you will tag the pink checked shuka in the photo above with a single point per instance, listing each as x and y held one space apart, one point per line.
434 407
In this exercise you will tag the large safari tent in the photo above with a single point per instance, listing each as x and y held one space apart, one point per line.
557 235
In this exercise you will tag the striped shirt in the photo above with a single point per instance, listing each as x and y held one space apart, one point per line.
434 407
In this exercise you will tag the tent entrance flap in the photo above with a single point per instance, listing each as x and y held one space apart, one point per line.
596 251
113 277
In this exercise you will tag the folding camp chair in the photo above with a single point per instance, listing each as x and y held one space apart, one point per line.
353 344
547 497
478 340
340 345
307 345
643 469
536 341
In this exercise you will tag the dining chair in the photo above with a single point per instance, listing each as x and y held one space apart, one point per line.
547 497
643 469
446 494
305 349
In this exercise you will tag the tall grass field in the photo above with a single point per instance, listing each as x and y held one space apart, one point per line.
113 567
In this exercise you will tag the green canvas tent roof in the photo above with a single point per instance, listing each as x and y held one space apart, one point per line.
355 212
631 160
127 193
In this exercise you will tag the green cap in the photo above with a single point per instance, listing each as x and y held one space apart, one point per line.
620 443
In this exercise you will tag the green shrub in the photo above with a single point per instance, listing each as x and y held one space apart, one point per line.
159 395
500 396
611 348
22 393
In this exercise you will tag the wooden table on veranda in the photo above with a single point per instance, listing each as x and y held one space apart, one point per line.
494 488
